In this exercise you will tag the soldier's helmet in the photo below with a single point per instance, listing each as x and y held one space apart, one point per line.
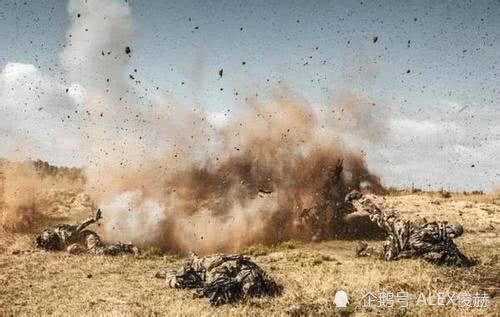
48 240
353 195
454 230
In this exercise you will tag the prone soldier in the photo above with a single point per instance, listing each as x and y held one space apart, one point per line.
76 238
432 241
222 278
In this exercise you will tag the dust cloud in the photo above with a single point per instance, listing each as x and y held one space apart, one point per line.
168 176
30 191
270 174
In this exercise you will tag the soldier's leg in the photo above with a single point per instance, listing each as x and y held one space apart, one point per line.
391 249
128 248
119 248
447 253
76 248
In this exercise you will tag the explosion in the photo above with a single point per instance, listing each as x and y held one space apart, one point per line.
170 177
271 175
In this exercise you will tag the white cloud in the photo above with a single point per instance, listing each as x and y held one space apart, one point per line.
443 149
35 112
64 123
411 127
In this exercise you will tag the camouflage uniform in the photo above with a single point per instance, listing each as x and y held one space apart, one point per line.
74 239
433 241
223 279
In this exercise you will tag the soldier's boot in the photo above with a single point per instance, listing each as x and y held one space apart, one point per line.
361 249
120 248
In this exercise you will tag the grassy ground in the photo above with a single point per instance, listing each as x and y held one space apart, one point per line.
43 283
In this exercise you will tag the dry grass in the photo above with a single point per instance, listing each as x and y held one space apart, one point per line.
40 283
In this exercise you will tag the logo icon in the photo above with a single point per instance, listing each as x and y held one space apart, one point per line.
340 300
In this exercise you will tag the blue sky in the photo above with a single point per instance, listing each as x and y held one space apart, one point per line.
441 117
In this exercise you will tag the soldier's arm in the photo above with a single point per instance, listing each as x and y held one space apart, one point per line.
380 218
85 224
89 221
385 219
364 207
351 217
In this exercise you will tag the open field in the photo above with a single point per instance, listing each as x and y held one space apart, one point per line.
56 283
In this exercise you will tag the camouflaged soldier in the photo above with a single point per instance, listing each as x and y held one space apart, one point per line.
75 239
433 241
222 279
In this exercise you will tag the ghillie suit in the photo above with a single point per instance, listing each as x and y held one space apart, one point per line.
432 241
223 279
75 239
